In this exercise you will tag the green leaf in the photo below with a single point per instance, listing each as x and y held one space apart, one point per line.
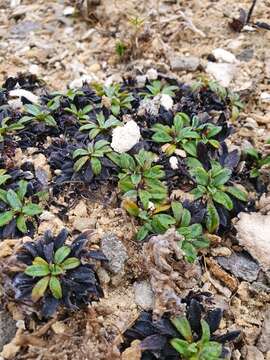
32 209
186 218
162 137
80 163
212 218
49 120
22 189
177 209
3 195
205 331
182 347
213 130
195 230
237 193
190 147
142 233
198 192
56 269
39 261
21 224
40 288
201 176
32 109
115 109
61 254
221 177
131 207
214 143
6 218
13 199
71 263
162 222
55 287
222 198
211 351
189 251
79 152
252 152
182 325
144 197
37 270
4 178
96 166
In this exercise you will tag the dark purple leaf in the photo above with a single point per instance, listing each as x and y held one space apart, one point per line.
213 319
153 342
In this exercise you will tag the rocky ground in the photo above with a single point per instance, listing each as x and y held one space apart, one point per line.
65 45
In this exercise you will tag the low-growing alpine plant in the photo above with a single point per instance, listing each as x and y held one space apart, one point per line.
101 126
190 337
39 114
17 209
8 127
92 155
185 134
214 188
156 87
57 273
140 179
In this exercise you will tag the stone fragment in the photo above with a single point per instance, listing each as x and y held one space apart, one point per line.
84 223
188 63
253 233
125 137
144 296
252 353
7 328
19 93
115 252
264 339
241 265
224 56
224 73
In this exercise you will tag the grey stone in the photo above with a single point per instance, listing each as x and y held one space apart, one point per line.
115 252
188 63
252 353
7 328
144 296
24 27
264 339
246 55
241 265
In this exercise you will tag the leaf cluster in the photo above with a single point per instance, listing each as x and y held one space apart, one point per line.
17 207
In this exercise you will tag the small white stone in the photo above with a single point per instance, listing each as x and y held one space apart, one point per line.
265 97
224 55
34 69
68 11
152 74
166 101
222 72
78 83
141 80
151 206
173 162
18 93
125 137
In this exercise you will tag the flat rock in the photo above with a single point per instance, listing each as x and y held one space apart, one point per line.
115 252
253 233
224 55
252 353
241 265
224 73
264 339
144 296
7 328
188 63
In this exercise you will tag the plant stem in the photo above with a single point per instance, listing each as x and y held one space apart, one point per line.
251 11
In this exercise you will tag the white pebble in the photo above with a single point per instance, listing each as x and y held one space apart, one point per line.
173 162
166 101
125 137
